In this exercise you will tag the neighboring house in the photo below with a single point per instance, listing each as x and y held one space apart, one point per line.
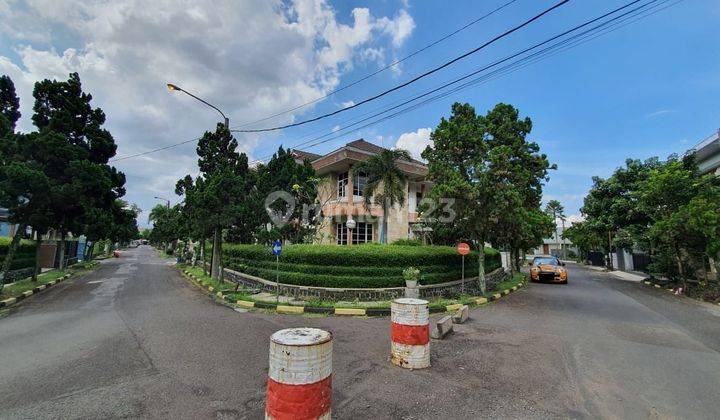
707 154
341 196
555 244
6 228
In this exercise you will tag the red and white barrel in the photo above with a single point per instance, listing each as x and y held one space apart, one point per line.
300 376
410 330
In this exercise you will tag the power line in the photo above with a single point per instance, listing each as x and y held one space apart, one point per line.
391 65
497 73
156 150
416 78
513 66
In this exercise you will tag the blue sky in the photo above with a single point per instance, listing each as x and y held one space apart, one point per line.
647 89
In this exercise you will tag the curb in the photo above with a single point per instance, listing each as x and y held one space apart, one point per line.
26 294
360 311
672 291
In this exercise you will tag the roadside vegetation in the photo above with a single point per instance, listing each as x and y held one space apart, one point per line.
361 266
487 188
19 287
58 178
664 208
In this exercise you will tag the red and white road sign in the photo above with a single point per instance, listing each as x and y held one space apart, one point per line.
463 248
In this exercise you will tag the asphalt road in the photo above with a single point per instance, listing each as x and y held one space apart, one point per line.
135 340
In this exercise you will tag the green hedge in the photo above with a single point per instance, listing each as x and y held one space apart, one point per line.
354 266
24 256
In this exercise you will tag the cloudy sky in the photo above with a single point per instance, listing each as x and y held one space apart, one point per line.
649 88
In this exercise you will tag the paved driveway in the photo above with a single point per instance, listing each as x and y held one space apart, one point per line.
133 339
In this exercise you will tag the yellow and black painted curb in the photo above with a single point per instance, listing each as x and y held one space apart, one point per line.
13 300
347 311
668 289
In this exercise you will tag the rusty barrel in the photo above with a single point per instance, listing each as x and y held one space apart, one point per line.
299 382
410 332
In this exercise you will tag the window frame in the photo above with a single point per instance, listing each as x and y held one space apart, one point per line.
342 184
341 234
357 177
364 229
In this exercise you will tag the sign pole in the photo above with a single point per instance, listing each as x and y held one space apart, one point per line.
276 250
463 249
462 288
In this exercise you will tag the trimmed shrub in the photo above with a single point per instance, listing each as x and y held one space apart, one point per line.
24 256
370 266
407 242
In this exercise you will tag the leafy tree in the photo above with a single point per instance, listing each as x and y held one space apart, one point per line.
584 237
195 215
9 102
167 225
556 210
283 173
518 171
23 184
11 194
74 151
227 181
386 183
459 166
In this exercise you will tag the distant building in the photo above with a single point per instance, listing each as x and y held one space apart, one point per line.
342 196
555 244
707 154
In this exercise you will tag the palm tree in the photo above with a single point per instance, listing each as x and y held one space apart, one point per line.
557 211
385 182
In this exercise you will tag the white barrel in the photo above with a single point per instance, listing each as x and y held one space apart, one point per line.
410 333
300 374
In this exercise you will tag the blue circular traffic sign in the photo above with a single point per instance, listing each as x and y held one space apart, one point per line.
276 248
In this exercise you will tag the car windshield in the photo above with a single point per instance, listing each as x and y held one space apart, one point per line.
546 260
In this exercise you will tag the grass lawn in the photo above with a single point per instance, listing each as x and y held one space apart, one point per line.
218 285
18 288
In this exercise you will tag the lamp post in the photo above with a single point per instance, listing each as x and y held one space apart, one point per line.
215 271
350 225
171 87
167 202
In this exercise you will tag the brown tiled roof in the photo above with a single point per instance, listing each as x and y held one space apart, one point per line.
373 148
302 155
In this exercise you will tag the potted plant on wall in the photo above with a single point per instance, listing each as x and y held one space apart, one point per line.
411 276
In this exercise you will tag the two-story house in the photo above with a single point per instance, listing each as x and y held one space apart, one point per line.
341 196
707 154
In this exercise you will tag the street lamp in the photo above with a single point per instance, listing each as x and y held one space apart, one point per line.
350 225
164 199
171 87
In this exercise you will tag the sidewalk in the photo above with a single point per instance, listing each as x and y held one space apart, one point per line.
636 276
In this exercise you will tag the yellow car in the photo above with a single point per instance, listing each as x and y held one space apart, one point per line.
548 269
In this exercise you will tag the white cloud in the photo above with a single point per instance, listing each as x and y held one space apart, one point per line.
574 218
399 28
659 112
251 59
347 104
415 141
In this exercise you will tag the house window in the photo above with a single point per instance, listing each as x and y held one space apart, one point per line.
342 184
359 181
362 233
341 234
